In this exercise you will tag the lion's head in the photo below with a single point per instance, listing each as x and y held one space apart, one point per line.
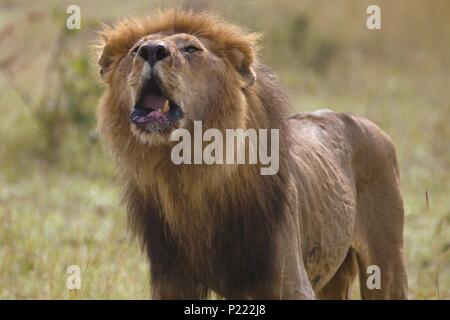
167 70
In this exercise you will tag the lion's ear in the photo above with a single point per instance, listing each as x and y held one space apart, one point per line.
243 63
102 51
105 62
248 75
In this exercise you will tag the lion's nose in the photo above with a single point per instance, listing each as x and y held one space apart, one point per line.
153 53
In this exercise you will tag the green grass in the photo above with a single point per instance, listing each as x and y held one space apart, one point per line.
60 205
51 221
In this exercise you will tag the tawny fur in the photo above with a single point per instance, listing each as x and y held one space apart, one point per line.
333 207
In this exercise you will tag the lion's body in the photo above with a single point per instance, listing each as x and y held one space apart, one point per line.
351 208
334 201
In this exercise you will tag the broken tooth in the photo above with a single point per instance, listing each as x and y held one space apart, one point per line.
166 107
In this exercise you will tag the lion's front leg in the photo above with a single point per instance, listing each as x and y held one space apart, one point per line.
177 287
289 280
286 290
171 277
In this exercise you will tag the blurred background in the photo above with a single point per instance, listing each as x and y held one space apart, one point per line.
59 203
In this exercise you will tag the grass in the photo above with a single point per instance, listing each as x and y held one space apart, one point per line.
59 204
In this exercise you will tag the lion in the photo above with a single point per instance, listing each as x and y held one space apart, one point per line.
332 210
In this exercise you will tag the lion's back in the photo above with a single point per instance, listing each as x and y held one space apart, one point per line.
347 139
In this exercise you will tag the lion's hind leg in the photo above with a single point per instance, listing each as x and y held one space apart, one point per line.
378 238
379 242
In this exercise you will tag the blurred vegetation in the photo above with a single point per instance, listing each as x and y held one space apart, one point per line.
59 204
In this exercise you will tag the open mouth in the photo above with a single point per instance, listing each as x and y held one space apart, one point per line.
154 111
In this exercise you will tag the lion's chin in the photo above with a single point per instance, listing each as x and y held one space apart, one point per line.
158 137
150 138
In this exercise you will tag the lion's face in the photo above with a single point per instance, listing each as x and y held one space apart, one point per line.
164 79
169 79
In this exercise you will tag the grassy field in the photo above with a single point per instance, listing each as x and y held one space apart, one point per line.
59 203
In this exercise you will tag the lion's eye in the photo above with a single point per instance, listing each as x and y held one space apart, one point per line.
190 49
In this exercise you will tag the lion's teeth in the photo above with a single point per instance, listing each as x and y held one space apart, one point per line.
166 107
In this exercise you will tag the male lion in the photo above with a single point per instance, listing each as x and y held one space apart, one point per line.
333 209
